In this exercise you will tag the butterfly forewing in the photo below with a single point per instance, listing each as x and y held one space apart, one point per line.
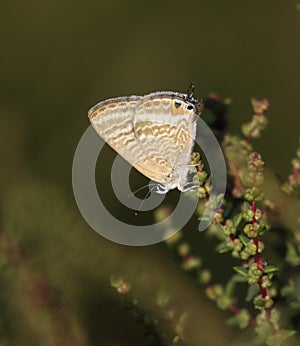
113 121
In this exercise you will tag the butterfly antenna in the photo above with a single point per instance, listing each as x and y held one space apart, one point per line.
190 91
133 193
143 200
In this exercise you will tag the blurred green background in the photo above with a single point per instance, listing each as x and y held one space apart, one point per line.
59 58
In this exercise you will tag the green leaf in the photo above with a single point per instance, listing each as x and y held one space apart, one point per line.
270 269
241 319
292 256
252 292
204 218
177 342
237 219
225 250
287 290
279 337
224 302
241 270
245 240
229 288
295 305
238 278
246 206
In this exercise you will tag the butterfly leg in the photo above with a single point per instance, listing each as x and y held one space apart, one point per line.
188 187
160 189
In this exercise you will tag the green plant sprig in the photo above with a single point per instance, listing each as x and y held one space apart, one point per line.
151 325
148 323
293 182
243 229
221 295
239 226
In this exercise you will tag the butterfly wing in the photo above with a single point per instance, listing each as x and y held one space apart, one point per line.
154 133
113 121
165 125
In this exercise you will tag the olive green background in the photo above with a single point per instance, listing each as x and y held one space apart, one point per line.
59 58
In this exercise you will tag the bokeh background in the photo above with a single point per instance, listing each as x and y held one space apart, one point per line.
59 58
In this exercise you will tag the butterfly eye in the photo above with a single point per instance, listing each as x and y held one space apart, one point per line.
177 104
190 107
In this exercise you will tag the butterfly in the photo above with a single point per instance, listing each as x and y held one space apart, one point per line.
155 133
